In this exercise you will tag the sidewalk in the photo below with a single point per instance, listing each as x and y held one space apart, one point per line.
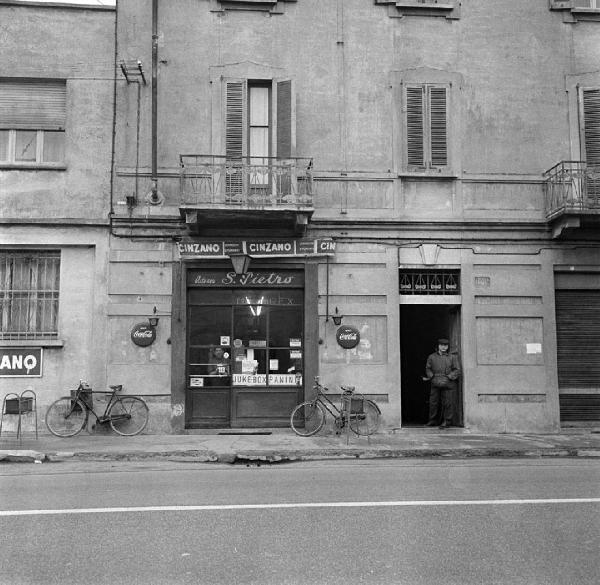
281 445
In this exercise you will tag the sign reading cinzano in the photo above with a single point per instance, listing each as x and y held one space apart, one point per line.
21 362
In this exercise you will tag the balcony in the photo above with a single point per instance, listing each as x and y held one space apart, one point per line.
268 195
573 199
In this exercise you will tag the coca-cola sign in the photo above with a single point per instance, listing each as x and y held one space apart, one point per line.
143 334
347 336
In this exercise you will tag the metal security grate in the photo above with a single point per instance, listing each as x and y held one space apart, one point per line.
29 289
579 407
429 282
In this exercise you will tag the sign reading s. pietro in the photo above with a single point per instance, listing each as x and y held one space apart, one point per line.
20 362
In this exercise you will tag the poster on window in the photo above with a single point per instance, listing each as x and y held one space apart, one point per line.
285 379
249 379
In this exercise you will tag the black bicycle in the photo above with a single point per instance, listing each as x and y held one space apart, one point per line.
361 415
67 416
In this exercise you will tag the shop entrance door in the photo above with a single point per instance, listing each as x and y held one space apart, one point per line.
420 327
244 357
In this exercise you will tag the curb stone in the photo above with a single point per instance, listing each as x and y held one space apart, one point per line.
24 456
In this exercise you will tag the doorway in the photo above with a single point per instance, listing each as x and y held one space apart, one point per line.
245 347
420 327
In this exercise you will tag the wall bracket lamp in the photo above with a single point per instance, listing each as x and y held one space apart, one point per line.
337 317
240 263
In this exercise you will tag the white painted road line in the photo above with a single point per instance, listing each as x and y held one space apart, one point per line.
392 504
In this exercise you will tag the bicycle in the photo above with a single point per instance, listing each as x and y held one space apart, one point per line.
361 415
67 416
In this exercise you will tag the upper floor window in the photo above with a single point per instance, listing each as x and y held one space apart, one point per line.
32 122
586 4
446 8
29 288
426 126
259 119
590 109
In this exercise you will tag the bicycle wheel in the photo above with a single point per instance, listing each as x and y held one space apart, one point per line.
367 422
307 419
65 417
128 415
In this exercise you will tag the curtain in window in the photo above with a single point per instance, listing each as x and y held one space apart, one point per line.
29 294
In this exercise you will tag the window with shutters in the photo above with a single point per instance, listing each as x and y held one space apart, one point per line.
590 141
426 124
259 120
590 115
29 289
32 122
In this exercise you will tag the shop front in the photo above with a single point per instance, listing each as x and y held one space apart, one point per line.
246 334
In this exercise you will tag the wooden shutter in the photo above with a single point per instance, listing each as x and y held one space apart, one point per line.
235 136
235 119
286 119
591 125
415 126
438 133
33 105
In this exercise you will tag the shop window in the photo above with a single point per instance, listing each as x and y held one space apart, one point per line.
29 293
371 349
32 123
256 339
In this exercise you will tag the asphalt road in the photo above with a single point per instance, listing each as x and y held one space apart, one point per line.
387 522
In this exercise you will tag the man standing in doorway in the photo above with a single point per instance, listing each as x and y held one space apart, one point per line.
442 370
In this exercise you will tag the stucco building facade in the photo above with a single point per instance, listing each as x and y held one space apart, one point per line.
423 169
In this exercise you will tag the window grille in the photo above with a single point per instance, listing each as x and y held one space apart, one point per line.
429 282
29 289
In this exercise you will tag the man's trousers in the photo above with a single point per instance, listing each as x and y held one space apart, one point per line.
444 398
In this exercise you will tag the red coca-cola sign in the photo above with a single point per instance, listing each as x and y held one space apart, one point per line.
143 334
347 336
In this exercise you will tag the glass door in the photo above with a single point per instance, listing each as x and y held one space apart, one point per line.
245 358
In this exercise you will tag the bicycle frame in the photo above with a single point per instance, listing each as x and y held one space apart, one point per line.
326 402
104 417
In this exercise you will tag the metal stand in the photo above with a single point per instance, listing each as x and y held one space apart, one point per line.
19 405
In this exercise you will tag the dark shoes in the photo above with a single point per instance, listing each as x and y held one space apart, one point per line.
445 425
431 424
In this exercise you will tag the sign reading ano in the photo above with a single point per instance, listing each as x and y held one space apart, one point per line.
20 362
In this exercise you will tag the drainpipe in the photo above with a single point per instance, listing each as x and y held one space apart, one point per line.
154 197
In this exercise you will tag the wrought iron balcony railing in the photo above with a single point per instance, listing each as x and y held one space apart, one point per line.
572 187
212 180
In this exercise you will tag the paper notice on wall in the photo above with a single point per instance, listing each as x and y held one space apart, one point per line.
196 382
273 365
534 347
295 342
295 354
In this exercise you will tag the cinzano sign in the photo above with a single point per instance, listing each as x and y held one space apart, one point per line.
20 362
